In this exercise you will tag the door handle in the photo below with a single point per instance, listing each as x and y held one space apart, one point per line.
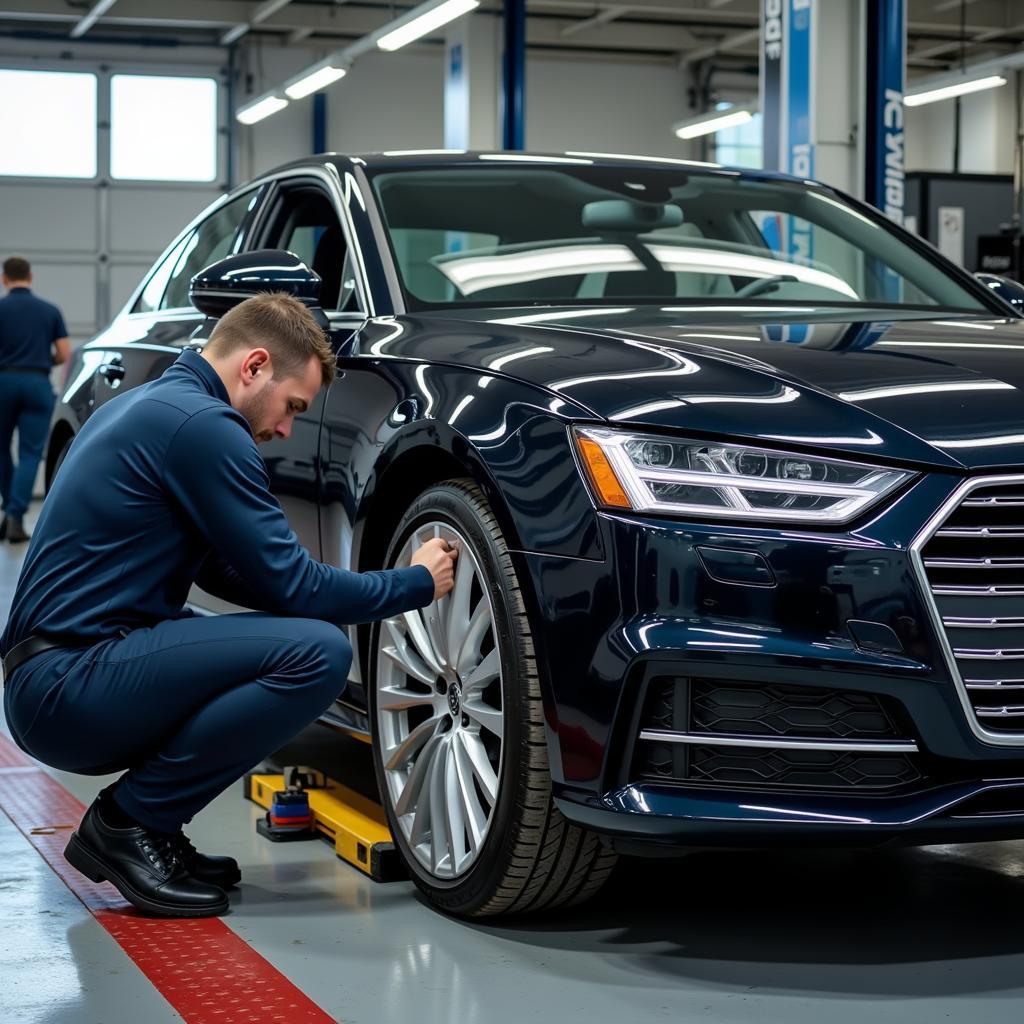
112 372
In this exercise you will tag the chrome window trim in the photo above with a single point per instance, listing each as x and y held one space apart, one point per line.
780 742
999 739
334 189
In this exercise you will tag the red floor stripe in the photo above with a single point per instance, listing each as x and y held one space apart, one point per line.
201 967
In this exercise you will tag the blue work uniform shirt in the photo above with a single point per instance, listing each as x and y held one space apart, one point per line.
28 328
162 488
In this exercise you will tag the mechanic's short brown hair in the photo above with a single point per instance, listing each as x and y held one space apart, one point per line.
17 269
283 326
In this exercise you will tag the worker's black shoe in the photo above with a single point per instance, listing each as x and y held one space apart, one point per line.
144 866
13 530
220 871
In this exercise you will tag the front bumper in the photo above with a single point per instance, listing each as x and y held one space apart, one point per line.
652 609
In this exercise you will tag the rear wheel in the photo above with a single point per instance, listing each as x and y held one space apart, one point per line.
458 733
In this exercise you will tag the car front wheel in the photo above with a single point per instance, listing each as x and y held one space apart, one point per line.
458 732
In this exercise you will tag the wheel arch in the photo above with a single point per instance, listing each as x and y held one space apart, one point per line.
60 435
413 465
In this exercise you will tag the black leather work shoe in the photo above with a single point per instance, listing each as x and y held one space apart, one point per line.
219 871
145 868
15 531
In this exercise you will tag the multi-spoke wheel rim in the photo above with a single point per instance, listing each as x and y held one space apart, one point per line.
440 720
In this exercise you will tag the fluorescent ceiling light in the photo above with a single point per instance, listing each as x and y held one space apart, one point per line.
233 35
946 92
314 81
425 23
708 123
260 109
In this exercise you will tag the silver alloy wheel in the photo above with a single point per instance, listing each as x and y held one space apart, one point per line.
439 718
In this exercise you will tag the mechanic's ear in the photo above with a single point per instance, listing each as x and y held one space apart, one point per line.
258 359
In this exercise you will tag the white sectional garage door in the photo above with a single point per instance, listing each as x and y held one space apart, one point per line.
90 241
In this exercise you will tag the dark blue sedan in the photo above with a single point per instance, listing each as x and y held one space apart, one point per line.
736 468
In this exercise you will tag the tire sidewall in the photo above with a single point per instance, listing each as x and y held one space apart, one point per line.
453 505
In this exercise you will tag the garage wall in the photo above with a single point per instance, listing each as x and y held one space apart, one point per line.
387 101
89 242
987 123
395 101
606 107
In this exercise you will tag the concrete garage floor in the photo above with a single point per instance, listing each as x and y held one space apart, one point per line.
904 935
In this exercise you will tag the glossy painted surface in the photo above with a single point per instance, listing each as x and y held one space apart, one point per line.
220 287
490 394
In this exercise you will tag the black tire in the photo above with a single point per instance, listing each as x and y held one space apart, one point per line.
532 858
60 462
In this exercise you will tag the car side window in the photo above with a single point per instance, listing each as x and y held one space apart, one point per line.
218 236
150 296
306 224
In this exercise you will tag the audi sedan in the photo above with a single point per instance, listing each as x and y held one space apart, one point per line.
736 470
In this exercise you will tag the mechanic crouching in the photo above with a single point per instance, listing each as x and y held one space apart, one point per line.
107 671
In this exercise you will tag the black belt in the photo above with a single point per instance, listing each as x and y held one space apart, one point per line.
24 369
29 648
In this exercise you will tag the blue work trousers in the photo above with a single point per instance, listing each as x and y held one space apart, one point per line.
26 404
187 706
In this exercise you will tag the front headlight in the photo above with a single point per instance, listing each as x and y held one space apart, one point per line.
647 473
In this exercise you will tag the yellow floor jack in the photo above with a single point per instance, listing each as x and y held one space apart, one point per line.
303 803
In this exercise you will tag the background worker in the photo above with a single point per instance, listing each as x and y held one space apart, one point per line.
33 338
105 669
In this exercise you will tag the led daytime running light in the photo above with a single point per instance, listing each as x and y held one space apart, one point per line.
706 479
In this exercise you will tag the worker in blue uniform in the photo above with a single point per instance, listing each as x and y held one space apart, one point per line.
105 667
33 339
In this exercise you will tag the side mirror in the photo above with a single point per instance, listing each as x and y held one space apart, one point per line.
223 285
1010 291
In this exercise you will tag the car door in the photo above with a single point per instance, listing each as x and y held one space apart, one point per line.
300 217
144 341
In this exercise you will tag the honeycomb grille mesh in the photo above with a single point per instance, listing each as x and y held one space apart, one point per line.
735 709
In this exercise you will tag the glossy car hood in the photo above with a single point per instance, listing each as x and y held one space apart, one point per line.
944 391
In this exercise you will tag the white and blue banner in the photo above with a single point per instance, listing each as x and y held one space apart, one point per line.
798 124
788 48
771 83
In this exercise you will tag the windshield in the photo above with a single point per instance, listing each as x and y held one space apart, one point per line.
499 235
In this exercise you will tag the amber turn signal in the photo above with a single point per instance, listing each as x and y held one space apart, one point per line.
602 476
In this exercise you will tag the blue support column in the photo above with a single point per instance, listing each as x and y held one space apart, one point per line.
883 109
319 122
514 76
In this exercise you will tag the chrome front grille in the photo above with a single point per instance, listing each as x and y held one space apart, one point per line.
974 565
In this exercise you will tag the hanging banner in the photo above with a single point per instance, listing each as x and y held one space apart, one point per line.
884 172
771 83
799 106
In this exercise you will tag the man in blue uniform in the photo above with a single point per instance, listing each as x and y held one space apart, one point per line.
32 339
106 670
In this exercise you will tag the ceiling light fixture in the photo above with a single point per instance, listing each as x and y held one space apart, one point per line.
713 122
313 81
416 25
946 92
257 111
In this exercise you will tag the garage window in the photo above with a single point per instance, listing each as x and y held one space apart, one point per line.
163 128
48 124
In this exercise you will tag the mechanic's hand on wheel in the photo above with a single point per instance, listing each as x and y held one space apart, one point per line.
439 558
